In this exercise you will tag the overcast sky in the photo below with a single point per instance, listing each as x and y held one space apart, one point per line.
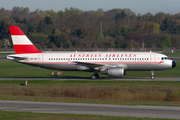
137 6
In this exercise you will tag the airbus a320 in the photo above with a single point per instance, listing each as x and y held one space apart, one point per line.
113 64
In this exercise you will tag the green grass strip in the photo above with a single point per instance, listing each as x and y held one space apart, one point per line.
9 115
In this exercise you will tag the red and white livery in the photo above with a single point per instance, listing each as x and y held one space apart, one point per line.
21 43
111 63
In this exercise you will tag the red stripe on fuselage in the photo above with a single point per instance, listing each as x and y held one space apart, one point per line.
96 62
22 49
14 30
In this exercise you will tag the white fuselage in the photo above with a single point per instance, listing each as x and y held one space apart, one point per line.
130 61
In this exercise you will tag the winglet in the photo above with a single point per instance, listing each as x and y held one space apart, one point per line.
21 43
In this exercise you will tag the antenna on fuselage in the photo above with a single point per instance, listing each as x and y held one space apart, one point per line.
76 51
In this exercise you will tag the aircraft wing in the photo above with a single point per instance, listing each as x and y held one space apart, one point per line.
99 67
91 65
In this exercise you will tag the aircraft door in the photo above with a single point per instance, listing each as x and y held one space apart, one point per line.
153 58
40 59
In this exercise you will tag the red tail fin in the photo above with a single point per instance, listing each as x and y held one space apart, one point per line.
21 43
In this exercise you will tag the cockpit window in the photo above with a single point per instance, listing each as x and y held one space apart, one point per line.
164 58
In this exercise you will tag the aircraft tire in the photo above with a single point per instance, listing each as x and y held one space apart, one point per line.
97 75
152 77
93 77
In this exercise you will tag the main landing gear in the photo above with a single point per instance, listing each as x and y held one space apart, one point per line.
152 75
95 76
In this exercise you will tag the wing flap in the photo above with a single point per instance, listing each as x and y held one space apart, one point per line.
92 65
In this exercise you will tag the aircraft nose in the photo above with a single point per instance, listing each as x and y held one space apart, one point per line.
173 64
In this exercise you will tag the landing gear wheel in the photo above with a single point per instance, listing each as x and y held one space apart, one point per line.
152 77
95 76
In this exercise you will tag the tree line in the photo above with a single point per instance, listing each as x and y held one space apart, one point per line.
74 28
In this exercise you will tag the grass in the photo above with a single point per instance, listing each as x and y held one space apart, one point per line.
171 55
5 54
9 115
162 93
13 69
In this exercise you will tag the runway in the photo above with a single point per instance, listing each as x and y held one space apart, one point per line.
93 109
88 78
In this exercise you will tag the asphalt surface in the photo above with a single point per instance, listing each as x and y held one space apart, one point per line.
93 109
3 58
88 78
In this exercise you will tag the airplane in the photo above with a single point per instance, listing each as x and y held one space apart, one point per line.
114 64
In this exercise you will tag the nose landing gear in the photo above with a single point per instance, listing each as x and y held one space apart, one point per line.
152 75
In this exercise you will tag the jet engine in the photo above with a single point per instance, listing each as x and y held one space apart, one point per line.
114 72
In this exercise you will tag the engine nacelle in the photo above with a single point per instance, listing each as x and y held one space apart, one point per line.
115 72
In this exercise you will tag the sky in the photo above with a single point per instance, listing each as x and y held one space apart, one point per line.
137 6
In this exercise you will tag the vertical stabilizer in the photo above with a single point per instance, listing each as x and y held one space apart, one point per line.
21 43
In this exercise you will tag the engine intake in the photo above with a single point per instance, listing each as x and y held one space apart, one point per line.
115 72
